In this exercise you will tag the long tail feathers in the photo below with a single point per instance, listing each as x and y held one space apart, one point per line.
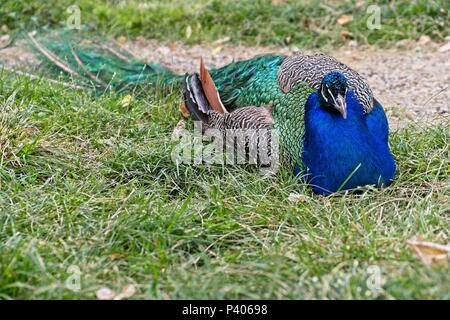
50 56
104 65
107 66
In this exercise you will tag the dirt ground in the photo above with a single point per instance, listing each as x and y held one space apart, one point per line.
412 82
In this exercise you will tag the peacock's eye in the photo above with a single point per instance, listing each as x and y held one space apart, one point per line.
323 94
331 95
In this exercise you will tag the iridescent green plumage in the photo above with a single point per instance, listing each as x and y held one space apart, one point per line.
104 65
249 82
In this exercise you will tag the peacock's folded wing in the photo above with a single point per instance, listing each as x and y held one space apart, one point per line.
200 108
248 82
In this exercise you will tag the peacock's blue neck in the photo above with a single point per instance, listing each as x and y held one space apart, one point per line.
340 153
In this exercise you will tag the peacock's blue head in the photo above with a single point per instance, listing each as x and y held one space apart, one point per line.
333 90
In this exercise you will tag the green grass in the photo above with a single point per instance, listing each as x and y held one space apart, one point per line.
87 182
306 24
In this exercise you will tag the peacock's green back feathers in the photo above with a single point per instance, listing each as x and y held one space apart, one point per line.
248 82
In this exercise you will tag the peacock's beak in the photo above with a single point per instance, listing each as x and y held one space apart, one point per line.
341 105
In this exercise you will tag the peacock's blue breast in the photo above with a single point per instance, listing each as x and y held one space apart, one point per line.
342 154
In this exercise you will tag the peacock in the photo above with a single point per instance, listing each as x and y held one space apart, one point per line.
332 130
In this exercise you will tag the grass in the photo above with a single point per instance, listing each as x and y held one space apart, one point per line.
306 24
87 182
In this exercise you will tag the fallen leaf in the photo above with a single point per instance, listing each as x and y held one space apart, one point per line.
188 32
105 293
216 50
424 40
116 256
296 197
5 28
126 100
127 292
360 4
352 44
178 130
140 40
5 41
409 115
85 42
184 110
221 40
429 252
277 2
346 34
121 40
444 48
173 47
343 20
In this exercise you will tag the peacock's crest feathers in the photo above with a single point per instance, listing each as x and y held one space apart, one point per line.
312 68
335 79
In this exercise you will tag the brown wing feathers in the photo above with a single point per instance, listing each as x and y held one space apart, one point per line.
200 95
195 99
210 90
203 102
